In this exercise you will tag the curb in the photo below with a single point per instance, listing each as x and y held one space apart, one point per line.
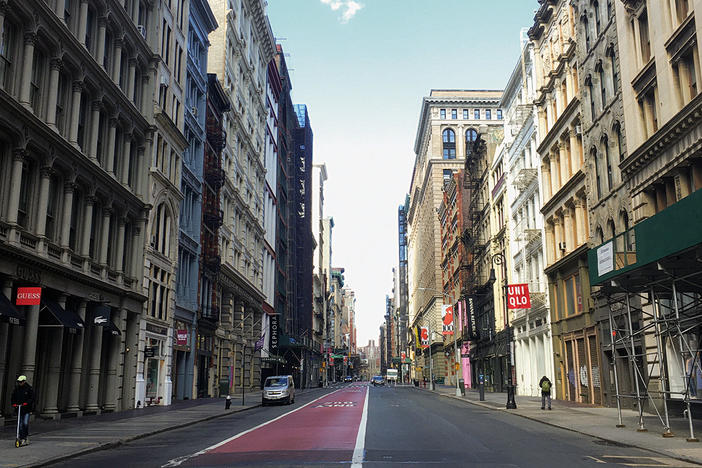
531 418
126 440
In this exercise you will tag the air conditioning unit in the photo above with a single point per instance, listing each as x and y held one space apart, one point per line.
142 30
562 246
578 130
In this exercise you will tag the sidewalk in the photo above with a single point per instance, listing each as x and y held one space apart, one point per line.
596 422
53 441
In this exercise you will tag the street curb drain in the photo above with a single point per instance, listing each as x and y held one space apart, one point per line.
599 439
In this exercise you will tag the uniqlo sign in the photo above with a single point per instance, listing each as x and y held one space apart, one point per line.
28 296
518 296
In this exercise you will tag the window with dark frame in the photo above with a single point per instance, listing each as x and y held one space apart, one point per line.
454 114
442 114
488 114
476 114
449 144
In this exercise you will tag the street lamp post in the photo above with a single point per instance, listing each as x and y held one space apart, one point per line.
499 259
457 366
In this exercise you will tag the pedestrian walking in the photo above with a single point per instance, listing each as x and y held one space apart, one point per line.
23 400
545 385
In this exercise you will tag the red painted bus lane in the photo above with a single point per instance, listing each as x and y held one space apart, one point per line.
323 431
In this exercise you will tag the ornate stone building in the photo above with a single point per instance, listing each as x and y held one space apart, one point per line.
448 119
76 134
576 341
532 327
240 52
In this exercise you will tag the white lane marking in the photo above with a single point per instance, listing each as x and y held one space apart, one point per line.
179 460
357 461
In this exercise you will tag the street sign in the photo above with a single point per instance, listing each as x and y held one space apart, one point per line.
28 296
518 296
447 319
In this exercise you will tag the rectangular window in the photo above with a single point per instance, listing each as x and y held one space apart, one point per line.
51 210
476 114
488 114
442 114
25 189
35 90
454 114
465 114
499 114
7 45
75 212
644 39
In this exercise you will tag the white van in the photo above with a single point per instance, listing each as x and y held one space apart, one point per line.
278 388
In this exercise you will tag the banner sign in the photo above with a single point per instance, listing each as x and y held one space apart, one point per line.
403 355
424 333
182 337
345 359
28 296
447 319
417 341
518 296
331 360
274 334
471 320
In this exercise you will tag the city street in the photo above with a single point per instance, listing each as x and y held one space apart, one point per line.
404 426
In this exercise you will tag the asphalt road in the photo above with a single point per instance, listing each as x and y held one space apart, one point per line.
404 426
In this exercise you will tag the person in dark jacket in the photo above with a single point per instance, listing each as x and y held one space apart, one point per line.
545 386
23 396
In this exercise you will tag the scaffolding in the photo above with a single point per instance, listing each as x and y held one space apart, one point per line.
655 323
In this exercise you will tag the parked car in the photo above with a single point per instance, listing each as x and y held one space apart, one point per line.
348 378
377 380
278 388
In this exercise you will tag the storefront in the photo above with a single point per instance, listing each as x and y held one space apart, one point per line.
184 361
155 386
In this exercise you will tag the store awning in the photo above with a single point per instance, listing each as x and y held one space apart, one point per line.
65 318
112 328
8 313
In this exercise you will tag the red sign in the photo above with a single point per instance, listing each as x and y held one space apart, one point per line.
518 296
331 360
28 296
404 355
345 359
424 335
182 337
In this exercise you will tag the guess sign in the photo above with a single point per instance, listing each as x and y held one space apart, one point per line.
28 296
182 337
518 296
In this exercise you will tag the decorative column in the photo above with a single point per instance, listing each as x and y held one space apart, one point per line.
127 147
558 230
555 183
568 236
75 112
55 68
117 63
87 225
574 153
31 327
83 21
119 264
106 218
94 129
139 248
143 166
569 86
13 203
76 365
60 8
94 369
563 162
114 369
46 173
100 49
550 243
546 175
130 79
52 385
581 230
110 159
146 98
68 189
30 38
4 332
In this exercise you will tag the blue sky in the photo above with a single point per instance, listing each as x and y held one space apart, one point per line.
363 77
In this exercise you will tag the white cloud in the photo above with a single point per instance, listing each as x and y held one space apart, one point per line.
349 7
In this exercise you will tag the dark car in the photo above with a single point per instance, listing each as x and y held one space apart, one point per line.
348 378
377 380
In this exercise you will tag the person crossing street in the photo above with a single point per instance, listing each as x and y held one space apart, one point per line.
23 401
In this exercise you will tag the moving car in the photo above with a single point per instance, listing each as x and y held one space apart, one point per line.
278 388
348 378
377 380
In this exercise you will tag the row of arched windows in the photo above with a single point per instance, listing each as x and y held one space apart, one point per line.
448 137
604 160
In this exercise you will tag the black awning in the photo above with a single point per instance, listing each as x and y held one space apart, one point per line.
65 318
8 312
101 315
112 328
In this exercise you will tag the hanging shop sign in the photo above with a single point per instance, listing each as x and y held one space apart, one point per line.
518 296
472 321
447 319
346 359
28 296
424 334
403 355
273 344
150 351
182 337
